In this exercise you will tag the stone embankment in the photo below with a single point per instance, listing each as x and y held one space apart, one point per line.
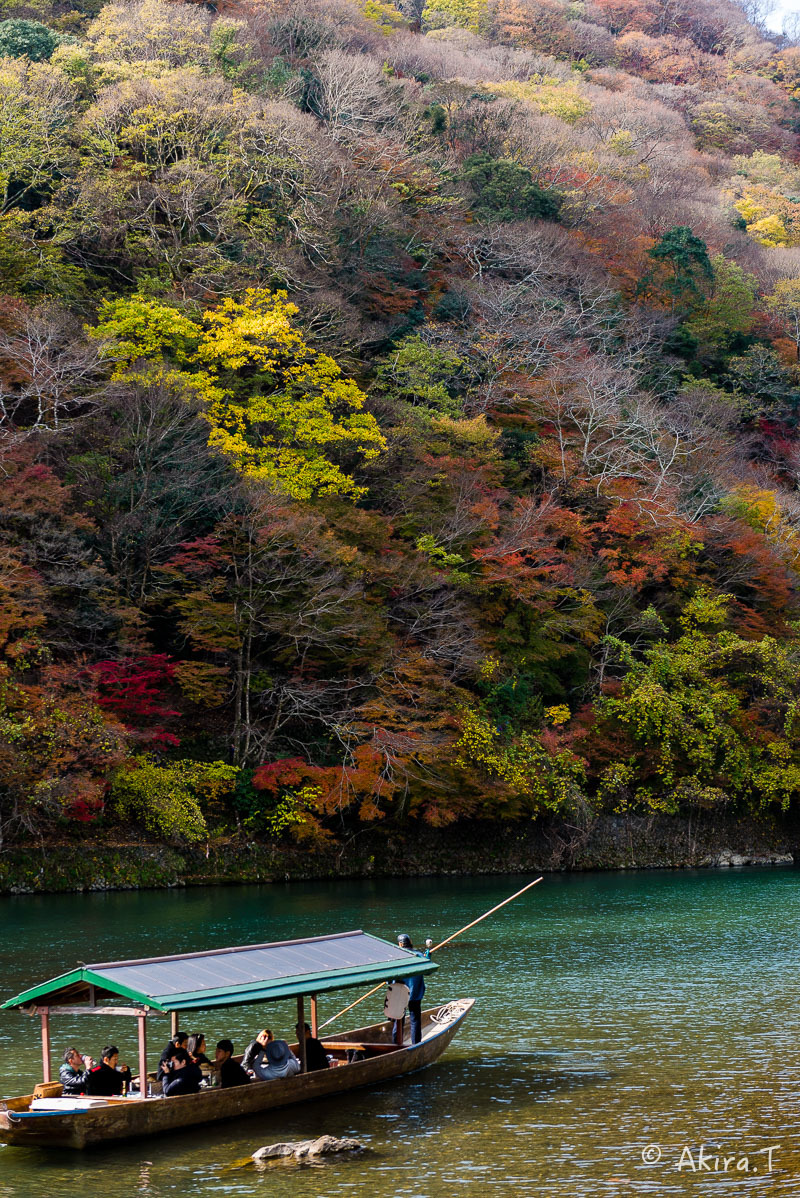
706 840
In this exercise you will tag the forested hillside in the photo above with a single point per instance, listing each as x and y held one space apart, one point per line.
400 414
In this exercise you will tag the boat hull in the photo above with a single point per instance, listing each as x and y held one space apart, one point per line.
133 1118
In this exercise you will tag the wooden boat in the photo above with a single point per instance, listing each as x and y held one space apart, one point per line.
330 963
127 1118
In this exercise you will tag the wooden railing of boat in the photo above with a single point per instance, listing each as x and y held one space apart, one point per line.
128 1118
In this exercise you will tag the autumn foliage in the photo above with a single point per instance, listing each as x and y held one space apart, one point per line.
400 414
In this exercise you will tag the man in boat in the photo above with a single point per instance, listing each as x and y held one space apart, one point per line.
181 1074
230 1072
74 1073
416 992
106 1080
316 1056
179 1040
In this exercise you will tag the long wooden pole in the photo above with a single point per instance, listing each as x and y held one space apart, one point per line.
435 948
486 915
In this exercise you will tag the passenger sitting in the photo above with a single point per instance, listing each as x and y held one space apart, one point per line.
106 1080
230 1072
181 1075
179 1040
278 1060
74 1073
316 1057
196 1049
255 1049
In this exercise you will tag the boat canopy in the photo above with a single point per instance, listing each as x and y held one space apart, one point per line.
227 977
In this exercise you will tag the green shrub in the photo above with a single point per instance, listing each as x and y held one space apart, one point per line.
505 190
27 39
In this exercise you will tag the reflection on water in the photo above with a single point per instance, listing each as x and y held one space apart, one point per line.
615 1012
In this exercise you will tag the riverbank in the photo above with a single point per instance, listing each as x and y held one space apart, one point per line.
606 843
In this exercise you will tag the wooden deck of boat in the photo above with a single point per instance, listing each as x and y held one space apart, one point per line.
135 1117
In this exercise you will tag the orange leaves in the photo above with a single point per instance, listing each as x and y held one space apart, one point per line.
534 24
21 601
362 782
622 15
396 754
534 549
634 554
385 297
748 565
272 776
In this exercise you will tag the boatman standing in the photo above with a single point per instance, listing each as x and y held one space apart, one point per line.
416 991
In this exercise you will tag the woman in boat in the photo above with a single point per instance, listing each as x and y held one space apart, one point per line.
181 1075
277 1060
196 1048
255 1050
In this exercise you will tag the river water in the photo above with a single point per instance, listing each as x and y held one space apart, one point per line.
616 1013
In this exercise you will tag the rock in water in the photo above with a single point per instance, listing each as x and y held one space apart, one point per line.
273 1150
299 1149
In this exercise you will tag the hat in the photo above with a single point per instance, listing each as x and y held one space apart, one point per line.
404 941
277 1052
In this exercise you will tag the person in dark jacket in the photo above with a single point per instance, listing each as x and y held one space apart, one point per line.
416 991
316 1057
74 1073
179 1040
105 1080
255 1050
181 1075
230 1072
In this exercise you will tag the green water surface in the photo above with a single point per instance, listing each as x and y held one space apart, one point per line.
615 1012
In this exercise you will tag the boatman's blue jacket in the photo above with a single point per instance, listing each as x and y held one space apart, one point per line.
416 985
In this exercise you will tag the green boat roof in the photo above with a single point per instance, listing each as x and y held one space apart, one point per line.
227 977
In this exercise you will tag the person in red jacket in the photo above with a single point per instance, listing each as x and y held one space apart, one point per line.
105 1080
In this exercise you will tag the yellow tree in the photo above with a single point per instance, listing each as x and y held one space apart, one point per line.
279 410
785 303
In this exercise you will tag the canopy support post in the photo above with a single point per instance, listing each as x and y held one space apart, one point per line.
314 1017
173 1025
142 1022
47 1072
301 1032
